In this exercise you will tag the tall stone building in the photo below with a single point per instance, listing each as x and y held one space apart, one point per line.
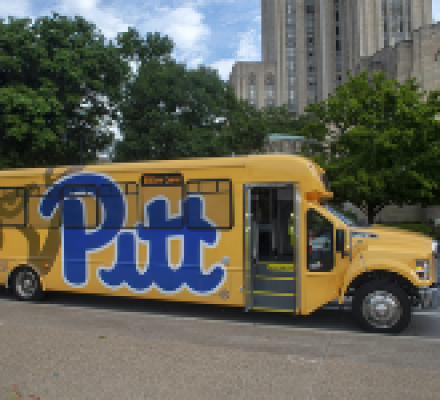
418 57
308 45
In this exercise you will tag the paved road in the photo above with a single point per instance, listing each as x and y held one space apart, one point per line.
135 349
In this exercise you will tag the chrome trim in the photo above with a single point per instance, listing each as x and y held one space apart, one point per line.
268 185
298 248
428 298
365 235
246 250
381 309
351 247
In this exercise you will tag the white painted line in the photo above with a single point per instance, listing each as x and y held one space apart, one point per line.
298 358
430 313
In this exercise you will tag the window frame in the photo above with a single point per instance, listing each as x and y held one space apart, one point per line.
124 186
63 196
182 196
231 209
25 207
332 241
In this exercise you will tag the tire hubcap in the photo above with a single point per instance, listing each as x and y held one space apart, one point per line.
381 309
26 284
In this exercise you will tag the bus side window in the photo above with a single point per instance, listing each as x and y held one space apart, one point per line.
35 195
88 196
319 242
216 197
161 201
109 192
13 207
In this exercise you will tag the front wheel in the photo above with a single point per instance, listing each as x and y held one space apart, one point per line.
26 284
382 307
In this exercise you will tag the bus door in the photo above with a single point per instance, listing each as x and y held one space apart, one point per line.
270 273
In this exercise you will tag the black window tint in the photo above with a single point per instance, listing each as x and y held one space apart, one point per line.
319 243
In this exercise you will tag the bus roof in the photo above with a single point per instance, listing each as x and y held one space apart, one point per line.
210 162
260 168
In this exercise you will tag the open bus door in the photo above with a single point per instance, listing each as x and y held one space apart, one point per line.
270 254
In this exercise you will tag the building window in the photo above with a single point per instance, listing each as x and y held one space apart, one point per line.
396 21
311 64
252 88
291 53
269 89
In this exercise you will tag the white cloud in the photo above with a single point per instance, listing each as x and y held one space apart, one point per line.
185 26
107 19
247 51
16 8
248 46
224 67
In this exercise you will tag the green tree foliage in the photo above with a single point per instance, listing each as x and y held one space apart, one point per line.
281 120
58 78
172 112
387 149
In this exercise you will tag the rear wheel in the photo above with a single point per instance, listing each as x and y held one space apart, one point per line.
26 284
382 307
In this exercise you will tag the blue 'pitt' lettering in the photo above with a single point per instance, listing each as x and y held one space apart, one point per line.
160 228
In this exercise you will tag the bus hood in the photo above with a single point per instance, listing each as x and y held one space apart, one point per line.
392 237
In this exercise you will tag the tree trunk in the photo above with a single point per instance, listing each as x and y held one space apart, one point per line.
370 213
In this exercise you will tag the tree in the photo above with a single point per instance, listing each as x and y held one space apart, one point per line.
387 144
281 120
172 112
58 78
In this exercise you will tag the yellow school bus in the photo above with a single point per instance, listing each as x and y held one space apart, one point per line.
252 232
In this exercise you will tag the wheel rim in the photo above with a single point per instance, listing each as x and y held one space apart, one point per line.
381 309
26 284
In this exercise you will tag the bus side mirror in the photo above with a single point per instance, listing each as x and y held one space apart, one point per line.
340 241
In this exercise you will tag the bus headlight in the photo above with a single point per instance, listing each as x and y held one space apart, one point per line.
422 269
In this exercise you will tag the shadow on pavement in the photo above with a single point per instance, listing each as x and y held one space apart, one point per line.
334 319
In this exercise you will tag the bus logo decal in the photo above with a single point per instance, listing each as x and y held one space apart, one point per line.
77 243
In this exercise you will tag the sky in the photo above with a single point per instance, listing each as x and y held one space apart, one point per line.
216 33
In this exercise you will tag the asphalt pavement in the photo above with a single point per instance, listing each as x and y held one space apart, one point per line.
91 347
73 350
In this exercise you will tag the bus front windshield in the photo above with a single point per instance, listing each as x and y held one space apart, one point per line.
348 221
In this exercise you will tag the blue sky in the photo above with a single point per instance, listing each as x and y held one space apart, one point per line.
216 33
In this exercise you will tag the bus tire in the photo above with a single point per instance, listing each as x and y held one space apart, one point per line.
26 284
382 307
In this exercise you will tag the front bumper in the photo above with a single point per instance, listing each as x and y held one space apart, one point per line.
428 298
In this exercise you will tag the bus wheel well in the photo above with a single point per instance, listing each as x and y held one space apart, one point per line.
392 277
